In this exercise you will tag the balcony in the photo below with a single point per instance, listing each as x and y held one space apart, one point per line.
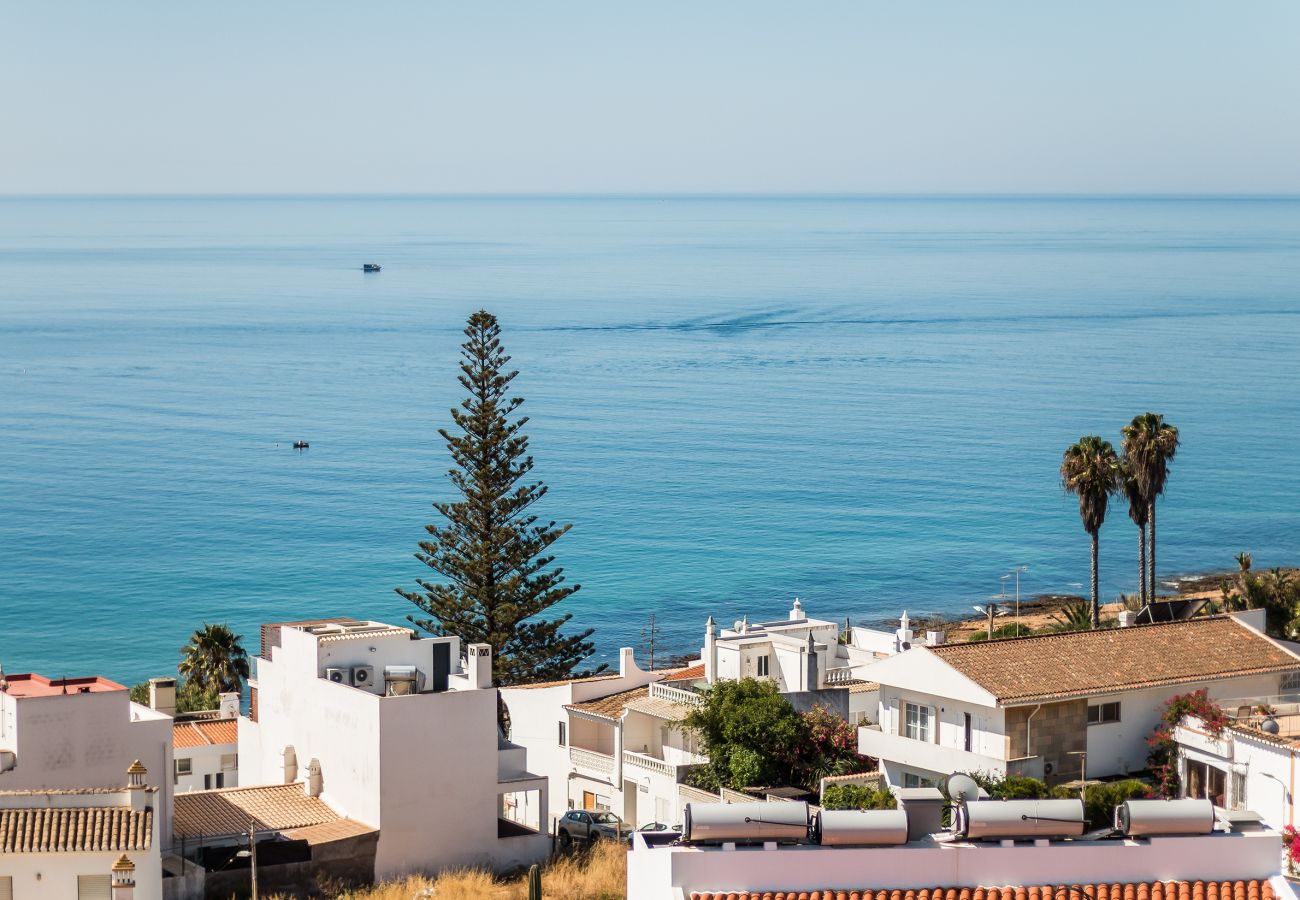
924 755
674 695
591 761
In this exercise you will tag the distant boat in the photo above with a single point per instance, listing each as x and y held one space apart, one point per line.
370 267
300 445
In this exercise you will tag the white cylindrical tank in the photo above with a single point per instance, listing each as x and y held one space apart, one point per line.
1006 819
717 823
1139 818
861 827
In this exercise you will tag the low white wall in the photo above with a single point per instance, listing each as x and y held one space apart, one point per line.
671 872
53 876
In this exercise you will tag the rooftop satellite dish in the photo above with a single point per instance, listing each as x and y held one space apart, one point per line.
959 786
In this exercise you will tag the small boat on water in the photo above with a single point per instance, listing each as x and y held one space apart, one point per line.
370 267
300 445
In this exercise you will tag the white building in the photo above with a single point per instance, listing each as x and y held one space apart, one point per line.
206 748
396 732
1250 764
82 843
1216 866
1035 706
80 733
608 742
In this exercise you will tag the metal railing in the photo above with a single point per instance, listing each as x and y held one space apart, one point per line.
590 759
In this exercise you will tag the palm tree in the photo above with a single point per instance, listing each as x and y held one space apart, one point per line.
1090 470
1137 511
214 660
1150 443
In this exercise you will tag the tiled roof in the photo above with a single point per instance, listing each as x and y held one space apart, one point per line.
274 807
1155 890
326 832
863 687
610 707
563 681
690 673
205 734
1109 660
366 635
659 708
80 830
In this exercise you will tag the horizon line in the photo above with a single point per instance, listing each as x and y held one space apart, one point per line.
649 195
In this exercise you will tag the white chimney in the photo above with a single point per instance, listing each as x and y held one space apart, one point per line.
1127 618
312 785
229 705
290 765
903 636
934 638
626 661
162 695
796 611
710 651
135 785
478 660
123 878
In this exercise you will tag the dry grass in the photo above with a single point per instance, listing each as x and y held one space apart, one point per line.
598 875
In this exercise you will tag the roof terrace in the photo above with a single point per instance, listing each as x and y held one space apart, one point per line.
28 684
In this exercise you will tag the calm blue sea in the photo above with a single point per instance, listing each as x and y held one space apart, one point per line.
858 401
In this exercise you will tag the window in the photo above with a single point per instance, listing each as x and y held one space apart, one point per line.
184 766
762 666
564 734
6 887
1205 783
918 726
207 782
1103 713
1238 790
229 762
1290 683
94 887
912 780
968 731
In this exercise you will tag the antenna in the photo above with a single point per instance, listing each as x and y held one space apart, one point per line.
959 786
650 637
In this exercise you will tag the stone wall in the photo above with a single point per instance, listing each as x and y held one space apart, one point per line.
1056 731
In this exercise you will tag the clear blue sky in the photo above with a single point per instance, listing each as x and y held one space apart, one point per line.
1153 96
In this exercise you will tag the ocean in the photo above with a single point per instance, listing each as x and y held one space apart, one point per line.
858 401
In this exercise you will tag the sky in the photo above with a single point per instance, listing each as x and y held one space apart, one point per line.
922 96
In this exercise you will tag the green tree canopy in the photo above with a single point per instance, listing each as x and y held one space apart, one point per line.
214 661
491 551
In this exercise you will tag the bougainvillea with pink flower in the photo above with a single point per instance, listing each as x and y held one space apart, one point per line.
1162 752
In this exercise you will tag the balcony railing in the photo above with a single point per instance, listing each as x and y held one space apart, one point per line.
591 760
649 762
674 695
840 675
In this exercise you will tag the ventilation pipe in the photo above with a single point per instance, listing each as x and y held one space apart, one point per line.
290 765
710 651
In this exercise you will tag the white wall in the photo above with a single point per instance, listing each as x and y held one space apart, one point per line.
68 741
58 873
206 760
1120 747
673 872
1270 769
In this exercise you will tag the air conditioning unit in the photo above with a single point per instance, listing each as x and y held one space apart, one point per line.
339 676
363 676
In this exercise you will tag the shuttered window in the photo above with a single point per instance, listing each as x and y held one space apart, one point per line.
94 887
6 887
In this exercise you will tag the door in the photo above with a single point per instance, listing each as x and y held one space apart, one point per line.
588 800
629 803
441 666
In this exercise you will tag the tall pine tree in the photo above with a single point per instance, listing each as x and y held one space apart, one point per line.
492 552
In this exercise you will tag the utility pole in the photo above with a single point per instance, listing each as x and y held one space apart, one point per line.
251 853
650 636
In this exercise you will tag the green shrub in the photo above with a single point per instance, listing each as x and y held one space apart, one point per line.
857 796
1011 787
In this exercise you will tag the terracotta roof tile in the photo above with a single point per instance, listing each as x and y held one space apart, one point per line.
274 807
1169 890
610 707
204 734
690 673
80 830
329 831
1086 663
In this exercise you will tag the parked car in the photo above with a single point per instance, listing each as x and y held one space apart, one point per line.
658 834
586 826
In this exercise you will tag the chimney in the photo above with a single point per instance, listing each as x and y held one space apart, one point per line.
478 659
229 705
290 764
626 661
796 611
811 661
162 695
904 634
710 651
135 786
935 638
1127 618
312 785
123 878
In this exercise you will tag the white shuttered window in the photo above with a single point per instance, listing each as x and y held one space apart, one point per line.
94 887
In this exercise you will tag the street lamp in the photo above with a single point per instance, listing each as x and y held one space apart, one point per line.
1286 794
251 855
1017 570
